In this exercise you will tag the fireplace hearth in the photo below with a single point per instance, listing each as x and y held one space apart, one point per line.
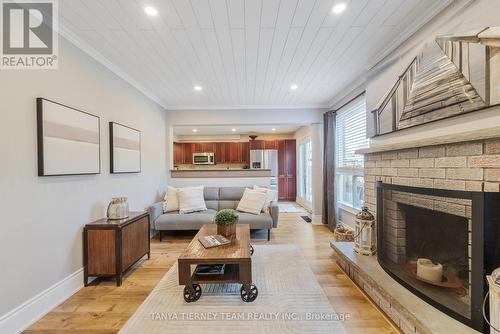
459 230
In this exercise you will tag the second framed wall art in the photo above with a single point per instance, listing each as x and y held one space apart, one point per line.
125 149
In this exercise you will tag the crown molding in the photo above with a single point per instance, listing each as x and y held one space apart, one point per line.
85 47
244 107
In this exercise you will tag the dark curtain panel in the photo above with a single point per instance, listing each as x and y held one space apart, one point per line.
329 170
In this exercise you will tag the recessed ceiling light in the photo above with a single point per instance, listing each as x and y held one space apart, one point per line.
198 88
273 129
195 130
234 130
294 87
339 8
151 11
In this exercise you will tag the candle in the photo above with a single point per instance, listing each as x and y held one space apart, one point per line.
429 271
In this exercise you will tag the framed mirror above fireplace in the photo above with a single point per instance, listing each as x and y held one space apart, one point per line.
458 231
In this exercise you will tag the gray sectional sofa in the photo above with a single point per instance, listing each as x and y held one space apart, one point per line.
216 199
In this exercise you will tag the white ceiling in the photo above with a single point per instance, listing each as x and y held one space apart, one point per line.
240 129
244 53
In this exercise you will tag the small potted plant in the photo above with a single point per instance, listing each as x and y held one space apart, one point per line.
226 220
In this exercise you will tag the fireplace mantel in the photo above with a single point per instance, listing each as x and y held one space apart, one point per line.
401 143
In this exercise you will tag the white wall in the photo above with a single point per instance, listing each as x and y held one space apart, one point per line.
461 16
220 182
314 132
42 217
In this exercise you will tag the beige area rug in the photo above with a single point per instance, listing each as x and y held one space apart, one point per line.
290 300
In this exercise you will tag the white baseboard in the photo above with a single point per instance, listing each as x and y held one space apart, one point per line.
317 219
35 308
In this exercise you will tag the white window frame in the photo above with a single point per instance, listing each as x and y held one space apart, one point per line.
351 171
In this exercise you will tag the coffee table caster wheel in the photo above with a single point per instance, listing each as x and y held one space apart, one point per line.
250 295
193 295
251 250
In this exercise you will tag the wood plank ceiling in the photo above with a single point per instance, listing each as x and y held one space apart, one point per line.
244 53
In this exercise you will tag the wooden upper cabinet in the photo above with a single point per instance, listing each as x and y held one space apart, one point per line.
220 153
187 148
245 152
208 147
178 154
235 152
256 144
197 148
271 144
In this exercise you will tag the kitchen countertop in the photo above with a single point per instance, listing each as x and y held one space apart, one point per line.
214 173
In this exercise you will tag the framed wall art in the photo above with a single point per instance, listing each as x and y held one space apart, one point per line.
67 140
125 149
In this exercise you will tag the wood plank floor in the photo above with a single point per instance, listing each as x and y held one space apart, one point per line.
104 308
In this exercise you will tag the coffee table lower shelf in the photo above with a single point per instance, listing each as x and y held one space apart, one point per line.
236 256
233 273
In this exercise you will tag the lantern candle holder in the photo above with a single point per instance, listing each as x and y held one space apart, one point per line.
364 234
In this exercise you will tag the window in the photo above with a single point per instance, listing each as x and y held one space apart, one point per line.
305 167
350 136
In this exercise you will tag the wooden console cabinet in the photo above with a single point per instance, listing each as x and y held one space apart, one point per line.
110 247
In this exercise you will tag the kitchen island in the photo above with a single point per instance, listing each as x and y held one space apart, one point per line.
213 177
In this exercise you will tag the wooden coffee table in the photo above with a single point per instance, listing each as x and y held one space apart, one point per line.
237 257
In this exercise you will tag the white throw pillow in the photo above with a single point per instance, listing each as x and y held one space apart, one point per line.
252 201
271 196
191 200
171 200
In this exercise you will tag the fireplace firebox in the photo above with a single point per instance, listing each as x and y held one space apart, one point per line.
458 231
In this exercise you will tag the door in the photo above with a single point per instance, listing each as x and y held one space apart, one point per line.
282 181
291 169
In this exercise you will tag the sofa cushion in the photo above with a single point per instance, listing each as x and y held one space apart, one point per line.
211 195
263 220
191 199
171 200
228 204
187 221
252 201
231 193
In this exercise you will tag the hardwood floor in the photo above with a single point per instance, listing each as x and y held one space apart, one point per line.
104 308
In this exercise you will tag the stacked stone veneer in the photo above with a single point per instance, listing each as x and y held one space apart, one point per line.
471 166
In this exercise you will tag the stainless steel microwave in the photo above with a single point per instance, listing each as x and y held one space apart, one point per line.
203 159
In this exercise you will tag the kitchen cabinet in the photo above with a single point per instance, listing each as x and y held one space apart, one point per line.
235 152
271 144
245 152
220 153
208 147
256 144
197 148
287 165
178 154
183 153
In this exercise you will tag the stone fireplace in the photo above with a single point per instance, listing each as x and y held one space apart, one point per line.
442 203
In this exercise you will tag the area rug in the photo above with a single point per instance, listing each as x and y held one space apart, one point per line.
290 300
290 208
